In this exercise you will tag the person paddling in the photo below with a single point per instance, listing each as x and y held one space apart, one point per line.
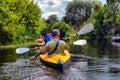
40 42
51 45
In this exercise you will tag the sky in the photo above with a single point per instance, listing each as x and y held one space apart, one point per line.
49 7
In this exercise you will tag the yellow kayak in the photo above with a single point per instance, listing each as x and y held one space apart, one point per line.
57 61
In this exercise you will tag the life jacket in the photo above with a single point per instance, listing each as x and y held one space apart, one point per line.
48 38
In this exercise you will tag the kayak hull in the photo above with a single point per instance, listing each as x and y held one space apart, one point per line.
57 61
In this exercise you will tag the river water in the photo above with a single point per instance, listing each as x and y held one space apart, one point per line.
97 60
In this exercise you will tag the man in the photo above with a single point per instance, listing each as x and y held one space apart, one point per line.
49 48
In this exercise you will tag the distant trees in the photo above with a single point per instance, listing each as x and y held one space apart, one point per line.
78 11
53 23
52 18
105 18
23 17
65 29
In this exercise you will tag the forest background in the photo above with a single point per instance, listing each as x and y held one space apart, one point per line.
21 18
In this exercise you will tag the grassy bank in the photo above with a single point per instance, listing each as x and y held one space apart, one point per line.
17 45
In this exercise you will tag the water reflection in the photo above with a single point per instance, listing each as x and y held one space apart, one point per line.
100 48
7 55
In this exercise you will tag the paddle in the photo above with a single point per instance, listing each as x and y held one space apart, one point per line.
22 50
25 49
85 29
80 42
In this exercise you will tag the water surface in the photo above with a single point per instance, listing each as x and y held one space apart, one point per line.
97 60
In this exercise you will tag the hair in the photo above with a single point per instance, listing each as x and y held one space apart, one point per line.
55 32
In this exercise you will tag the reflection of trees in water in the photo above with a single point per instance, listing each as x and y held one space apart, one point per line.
76 49
7 55
98 48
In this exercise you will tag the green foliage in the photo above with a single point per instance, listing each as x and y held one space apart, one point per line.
65 29
17 19
104 19
118 19
52 18
77 12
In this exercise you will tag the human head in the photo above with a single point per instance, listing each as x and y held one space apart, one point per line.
55 32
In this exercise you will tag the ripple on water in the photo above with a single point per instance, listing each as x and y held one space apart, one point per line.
78 70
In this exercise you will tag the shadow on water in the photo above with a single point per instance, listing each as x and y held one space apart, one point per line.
98 60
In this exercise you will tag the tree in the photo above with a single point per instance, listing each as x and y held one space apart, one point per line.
118 19
52 18
65 29
104 18
77 12
19 18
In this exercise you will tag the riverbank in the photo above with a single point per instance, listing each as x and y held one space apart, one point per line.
17 45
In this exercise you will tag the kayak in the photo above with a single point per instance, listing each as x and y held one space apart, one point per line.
57 61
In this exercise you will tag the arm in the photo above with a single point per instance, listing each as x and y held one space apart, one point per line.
67 47
41 52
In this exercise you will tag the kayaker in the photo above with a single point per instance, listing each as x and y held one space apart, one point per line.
51 45
48 37
40 42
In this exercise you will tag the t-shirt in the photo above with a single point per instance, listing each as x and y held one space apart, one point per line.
49 47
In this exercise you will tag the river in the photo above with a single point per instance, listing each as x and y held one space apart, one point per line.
97 60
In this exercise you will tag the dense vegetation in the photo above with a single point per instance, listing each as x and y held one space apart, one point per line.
19 18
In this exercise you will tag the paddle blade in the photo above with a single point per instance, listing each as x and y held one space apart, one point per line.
80 42
86 29
22 50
